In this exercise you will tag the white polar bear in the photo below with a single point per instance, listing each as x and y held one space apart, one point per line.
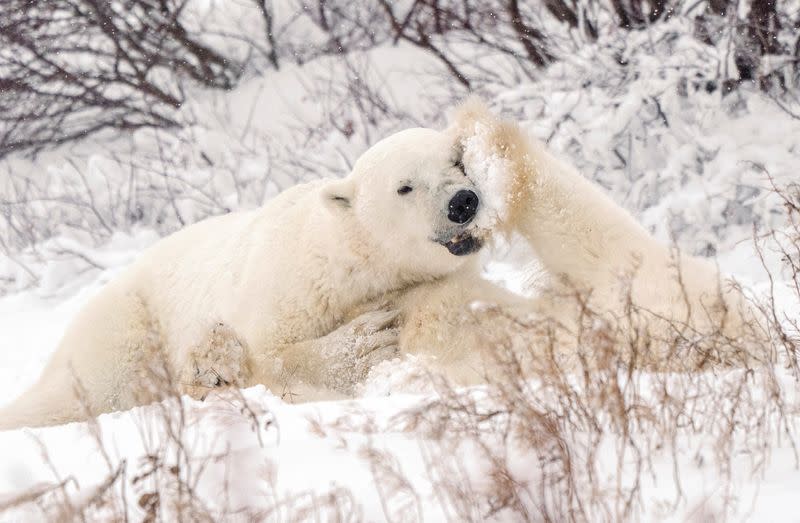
260 296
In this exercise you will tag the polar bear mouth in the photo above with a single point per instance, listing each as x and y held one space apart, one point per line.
463 244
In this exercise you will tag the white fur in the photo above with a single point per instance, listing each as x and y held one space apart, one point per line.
589 246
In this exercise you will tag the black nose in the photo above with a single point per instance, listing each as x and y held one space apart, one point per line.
462 206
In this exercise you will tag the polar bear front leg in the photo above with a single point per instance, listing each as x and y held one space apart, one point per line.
343 358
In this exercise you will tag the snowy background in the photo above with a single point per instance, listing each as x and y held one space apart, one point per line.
123 121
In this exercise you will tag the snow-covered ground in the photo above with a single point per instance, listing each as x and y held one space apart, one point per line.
377 458
690 164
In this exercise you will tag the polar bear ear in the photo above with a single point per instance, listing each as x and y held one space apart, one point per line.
338 195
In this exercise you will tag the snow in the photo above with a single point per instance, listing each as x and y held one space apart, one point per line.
490 174
685 162
350 457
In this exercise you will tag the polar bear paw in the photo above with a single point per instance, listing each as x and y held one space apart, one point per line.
354 348
219 361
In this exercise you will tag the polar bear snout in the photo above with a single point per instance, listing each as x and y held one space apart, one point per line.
463 206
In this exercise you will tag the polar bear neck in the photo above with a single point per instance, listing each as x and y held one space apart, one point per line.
366 266
322 267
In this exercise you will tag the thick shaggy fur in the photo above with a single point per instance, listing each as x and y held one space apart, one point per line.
676 311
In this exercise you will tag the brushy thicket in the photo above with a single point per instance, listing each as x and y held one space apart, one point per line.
71 68
648 98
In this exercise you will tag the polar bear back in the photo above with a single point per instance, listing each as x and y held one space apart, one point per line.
220 270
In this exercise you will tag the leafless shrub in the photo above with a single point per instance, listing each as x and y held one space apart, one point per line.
350 26
637 14
756 43
65 212
265 7
71 68
503 28
783 326
532 36
354 104
454 32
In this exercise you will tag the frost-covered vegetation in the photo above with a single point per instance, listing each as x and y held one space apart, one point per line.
123 121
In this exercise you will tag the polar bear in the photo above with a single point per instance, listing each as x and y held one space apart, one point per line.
602 275
261 296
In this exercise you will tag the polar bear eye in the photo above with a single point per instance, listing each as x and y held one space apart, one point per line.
404 189
459 164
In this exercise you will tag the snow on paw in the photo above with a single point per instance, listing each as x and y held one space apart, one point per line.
480 135
375 356
354 348
219 361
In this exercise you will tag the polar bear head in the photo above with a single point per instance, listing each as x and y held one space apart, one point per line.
411 195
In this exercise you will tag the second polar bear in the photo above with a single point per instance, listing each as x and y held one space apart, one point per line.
261 296
604 277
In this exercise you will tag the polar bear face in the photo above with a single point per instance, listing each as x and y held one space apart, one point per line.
412 196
